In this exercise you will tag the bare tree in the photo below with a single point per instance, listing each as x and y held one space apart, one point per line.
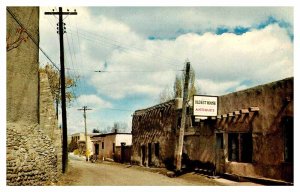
168 94
54 81
119 127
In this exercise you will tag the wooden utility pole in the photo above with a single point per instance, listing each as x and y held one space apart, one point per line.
61 31
183 117
85 132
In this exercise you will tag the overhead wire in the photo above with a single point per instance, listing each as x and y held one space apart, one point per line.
117 43
135 51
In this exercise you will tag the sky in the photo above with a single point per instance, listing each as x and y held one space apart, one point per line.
142 49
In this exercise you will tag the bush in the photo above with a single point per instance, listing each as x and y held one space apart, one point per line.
76 152
88 153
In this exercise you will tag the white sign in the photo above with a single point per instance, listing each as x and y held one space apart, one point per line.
206 106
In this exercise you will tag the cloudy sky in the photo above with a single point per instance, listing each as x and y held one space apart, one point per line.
142 49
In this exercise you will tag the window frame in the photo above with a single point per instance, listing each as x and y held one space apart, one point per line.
240 139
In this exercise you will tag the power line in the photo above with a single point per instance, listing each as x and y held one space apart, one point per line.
125 71
127 48
119 44
31 37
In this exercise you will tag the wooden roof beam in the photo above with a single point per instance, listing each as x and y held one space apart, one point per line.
244 111
230 114
253 109
237 112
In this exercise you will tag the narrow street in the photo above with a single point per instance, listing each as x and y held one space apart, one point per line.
82 173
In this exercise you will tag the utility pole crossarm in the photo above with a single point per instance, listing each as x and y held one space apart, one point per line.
63 13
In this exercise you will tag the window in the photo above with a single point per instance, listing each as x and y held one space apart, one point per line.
102 145
288 128
113 147
156 149
219 138
240 147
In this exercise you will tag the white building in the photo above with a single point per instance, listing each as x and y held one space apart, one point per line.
109 145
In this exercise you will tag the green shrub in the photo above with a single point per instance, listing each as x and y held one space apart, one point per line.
76 152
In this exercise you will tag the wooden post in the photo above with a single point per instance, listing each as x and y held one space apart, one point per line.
61 32
85 131
183 118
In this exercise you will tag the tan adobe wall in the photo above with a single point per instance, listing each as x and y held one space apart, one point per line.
154 125
266 128
22 67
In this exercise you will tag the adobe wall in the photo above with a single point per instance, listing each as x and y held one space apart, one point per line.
22 67
199 145
155 125
267 132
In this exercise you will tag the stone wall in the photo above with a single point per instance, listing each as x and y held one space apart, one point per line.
31 157
48 121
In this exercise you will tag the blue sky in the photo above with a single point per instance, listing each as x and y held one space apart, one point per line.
144 48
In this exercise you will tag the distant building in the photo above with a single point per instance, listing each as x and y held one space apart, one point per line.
251 137
114 146
79 139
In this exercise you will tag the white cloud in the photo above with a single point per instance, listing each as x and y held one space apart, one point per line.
167 21
93 100
259 55
222 62
210 87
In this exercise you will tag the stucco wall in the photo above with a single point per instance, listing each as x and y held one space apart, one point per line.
123 138
22 67
275 101
199 146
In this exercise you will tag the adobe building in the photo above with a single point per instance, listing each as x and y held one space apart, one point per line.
114 146
251 137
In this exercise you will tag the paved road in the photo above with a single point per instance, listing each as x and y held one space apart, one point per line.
112 174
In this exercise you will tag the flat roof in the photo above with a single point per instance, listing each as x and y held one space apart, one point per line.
105 134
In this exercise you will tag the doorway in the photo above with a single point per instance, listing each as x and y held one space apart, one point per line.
149 154
220 157
143 150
